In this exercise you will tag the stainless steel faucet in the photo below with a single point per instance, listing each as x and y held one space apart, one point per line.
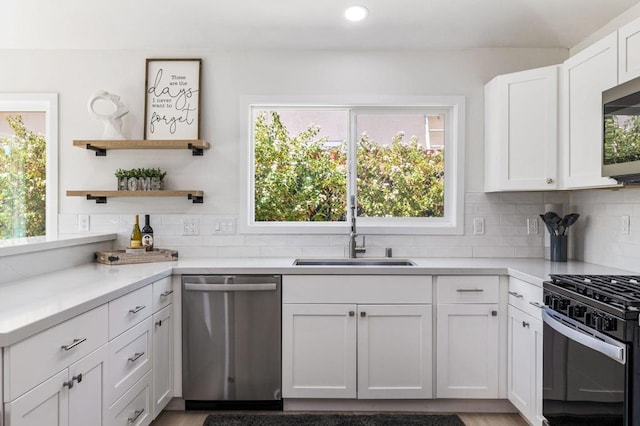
354 249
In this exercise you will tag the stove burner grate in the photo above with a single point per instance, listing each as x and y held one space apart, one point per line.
617 290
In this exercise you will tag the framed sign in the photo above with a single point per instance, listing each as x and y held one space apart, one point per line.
172 99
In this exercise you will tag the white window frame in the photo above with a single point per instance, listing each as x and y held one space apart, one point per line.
453 222
47 103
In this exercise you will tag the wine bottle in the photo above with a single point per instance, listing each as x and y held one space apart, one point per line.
147 234
136 235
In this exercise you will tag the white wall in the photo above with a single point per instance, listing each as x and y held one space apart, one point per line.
227 76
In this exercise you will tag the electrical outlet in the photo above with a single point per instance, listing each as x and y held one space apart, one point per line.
190 226
624 225
83 223
478 226
225 225
532 225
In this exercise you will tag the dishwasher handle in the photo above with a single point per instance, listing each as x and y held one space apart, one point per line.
231 287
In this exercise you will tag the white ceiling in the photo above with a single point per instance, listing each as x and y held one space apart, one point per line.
315 24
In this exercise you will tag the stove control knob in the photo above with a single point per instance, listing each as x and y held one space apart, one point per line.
564 303
609 324
598 322
571 312
547 300
588 318
579 311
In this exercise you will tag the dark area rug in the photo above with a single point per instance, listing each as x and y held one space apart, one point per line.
332 420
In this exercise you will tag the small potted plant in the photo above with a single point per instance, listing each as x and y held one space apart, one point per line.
141 179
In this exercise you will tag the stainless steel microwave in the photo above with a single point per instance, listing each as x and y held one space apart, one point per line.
621 132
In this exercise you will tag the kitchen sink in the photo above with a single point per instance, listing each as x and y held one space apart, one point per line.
353 262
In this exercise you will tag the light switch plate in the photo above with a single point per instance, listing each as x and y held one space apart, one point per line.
83 223
478 226
625 224
190 226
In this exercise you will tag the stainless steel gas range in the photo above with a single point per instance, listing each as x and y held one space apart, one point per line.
591 356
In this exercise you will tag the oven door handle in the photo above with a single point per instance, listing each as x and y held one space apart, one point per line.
614 351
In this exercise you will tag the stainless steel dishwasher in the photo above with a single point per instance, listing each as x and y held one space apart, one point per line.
231 345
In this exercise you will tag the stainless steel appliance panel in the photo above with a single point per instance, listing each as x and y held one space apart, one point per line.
231 331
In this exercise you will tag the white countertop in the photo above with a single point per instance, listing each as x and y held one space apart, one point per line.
34 304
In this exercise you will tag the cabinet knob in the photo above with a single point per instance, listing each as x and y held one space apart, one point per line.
549 180
494 313
351 313
363 314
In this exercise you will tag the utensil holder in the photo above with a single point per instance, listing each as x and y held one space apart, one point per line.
558 248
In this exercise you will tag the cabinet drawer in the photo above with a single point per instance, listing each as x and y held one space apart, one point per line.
162 293
134 408
369 289
129 359
526 297
468 289
129 310
33 360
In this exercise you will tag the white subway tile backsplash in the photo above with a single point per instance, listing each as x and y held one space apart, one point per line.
505 216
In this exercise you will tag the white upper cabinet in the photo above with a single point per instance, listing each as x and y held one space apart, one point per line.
521 131
629 51
584 77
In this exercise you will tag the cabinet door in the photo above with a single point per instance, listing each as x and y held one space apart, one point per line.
394 351
629 51
536 330
46 404
584 77
318 351
162 358
521 138
467 354
520 361
85 397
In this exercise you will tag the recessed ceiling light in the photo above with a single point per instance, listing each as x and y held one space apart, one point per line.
356 13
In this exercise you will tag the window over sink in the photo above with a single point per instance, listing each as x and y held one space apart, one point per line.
401 160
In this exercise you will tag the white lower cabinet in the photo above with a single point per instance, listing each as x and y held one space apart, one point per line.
319 351
524 371
468 337
394 351
46 404
468 355
352 345
72 397
73 374
162 358
363 351
524 353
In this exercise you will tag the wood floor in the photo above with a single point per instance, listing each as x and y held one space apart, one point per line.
196 418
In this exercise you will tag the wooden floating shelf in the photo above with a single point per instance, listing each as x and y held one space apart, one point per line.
197 146
101 196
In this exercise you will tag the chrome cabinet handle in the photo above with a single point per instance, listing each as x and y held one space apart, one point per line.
516 294
75 343
525 324
537 305
136 356
166 293
136 309
470 290
77 378
159 323
136 414
68 384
